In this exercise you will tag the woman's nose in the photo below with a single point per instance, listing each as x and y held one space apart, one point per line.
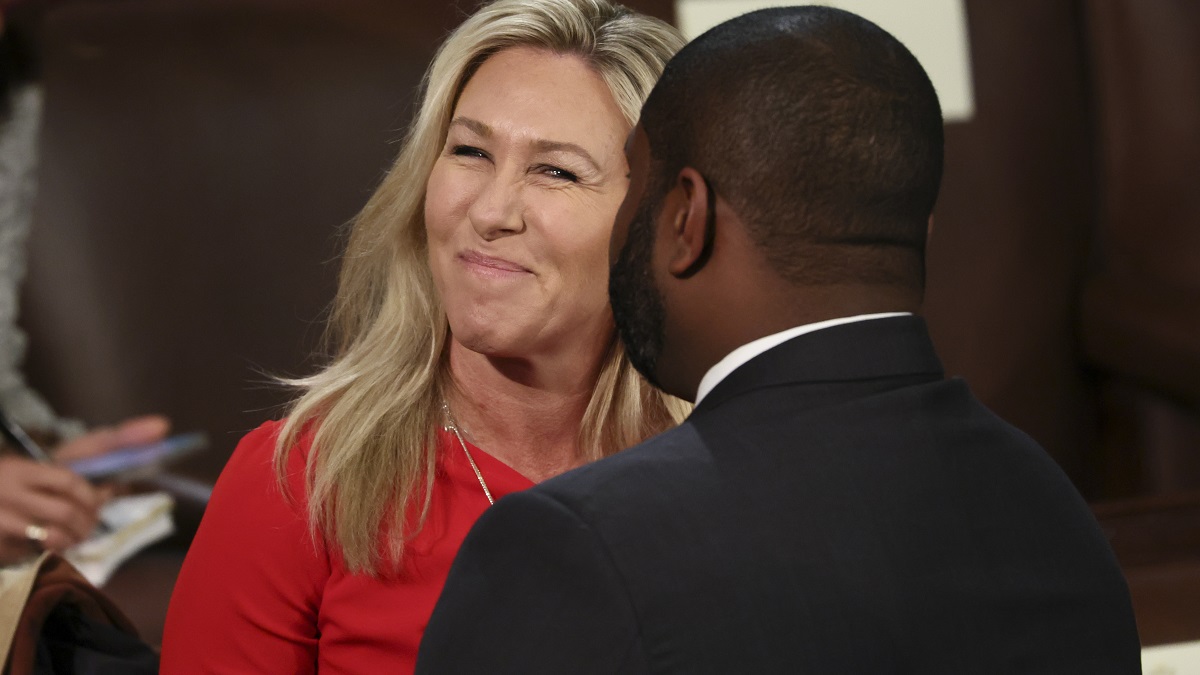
497 210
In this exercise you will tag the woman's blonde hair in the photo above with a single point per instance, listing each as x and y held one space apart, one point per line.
374 410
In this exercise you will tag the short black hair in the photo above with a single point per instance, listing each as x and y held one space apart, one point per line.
820 129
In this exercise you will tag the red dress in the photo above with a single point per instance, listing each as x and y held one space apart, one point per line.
256 594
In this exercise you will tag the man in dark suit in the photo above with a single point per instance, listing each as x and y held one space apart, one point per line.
833 504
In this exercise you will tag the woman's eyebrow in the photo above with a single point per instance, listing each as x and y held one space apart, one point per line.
562 146
474 125
540 145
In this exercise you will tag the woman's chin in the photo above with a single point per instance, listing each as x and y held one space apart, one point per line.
494 343
533 338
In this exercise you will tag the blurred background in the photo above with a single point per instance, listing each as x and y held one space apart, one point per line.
199 159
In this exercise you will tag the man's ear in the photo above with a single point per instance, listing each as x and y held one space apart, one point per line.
692 225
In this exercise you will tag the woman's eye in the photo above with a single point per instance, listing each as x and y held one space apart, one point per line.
563 174
467 151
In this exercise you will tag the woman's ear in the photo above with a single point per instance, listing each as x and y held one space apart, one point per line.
693 223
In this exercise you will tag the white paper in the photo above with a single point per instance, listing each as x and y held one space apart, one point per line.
134 523
1178 659
935 31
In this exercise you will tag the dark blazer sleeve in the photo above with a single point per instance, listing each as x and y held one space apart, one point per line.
533 590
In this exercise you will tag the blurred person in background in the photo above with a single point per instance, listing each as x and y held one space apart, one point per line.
42 506
475 354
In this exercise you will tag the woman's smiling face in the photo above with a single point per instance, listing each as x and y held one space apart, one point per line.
520 205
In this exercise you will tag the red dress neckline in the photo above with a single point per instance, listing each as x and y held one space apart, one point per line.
501 478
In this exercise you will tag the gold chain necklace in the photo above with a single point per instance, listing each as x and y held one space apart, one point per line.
474 467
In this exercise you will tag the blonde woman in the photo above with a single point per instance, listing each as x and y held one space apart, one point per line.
475 354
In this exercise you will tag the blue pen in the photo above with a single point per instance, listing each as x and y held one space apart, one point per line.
21 440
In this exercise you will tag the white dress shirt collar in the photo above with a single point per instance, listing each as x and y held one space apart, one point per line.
741 355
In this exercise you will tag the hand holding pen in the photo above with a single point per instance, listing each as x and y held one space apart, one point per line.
44 506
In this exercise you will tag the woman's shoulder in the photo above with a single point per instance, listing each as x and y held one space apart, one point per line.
250 589
264 435
261 439
253 464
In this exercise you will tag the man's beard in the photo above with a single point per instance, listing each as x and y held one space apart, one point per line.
637 304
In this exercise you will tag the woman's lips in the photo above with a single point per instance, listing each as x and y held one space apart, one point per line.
488 262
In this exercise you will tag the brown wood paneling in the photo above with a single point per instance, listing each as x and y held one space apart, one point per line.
1141 309
1012 225
198 160
1157 541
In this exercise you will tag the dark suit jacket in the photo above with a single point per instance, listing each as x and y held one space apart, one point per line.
833 506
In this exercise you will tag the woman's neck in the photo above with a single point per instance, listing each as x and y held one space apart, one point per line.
524 412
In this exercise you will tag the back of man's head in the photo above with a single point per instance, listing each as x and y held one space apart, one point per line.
822 132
